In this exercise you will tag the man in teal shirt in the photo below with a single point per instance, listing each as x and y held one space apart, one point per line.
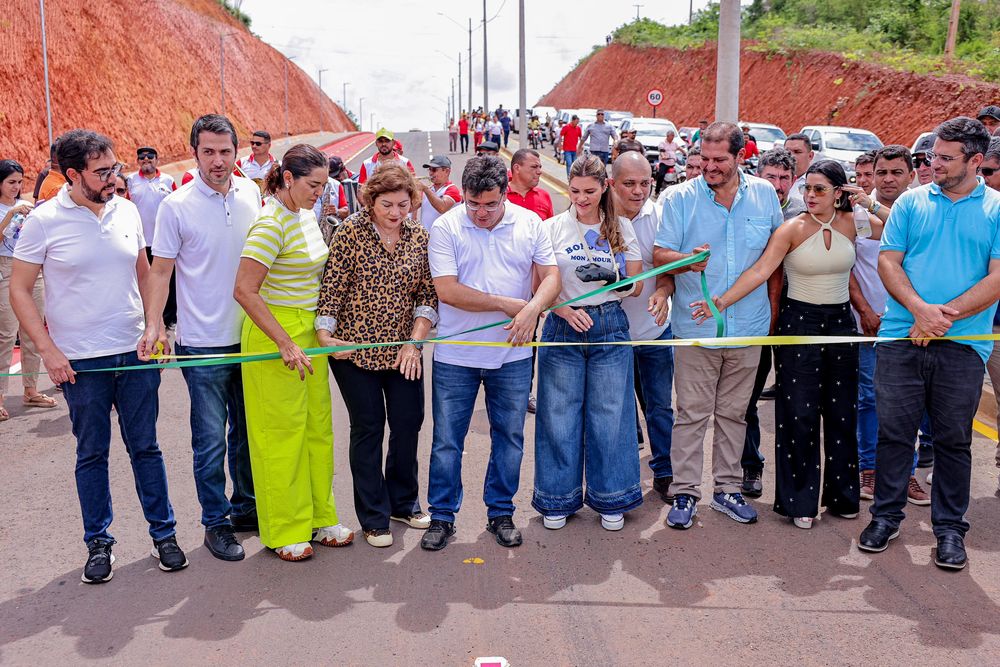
940 262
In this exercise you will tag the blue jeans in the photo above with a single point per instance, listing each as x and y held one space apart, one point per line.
217 399
867 413
453 398
134 396
655 364
568 157
585 424
945 379
604 155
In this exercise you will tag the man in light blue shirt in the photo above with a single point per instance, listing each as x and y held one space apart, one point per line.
940 263
733 215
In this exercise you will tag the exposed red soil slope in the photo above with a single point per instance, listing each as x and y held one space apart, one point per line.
806 88
141 71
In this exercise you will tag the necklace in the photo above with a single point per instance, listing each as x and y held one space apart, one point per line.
821 223
384 238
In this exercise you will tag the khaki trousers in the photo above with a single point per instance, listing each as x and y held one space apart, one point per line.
30 361
711 382
993 368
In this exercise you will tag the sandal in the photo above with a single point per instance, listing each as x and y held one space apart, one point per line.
40 401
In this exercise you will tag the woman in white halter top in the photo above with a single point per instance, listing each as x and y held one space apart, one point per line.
813 381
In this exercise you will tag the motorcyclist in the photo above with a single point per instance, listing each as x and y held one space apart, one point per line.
669 148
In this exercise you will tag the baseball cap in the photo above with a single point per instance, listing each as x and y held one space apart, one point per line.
489 146
991 111
146 149
336 164
926 144
382 132
439 161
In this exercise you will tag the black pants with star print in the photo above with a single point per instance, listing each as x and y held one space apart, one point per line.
814 383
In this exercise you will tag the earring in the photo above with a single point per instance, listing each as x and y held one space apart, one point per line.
288 184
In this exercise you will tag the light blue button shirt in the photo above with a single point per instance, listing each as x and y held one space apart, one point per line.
947 247
737 237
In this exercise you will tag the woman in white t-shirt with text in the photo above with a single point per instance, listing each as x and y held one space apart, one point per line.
585 424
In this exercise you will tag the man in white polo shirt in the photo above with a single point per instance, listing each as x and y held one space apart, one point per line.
89 243
200 232
440 194
147 188
483 254
654 364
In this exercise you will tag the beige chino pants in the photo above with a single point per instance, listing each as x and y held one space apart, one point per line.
30 360
711 382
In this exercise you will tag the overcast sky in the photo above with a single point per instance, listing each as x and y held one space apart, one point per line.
388 49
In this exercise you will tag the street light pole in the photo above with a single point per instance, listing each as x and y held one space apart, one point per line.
470 64
454 111
287 131
361 110
522 96
320 98
486 73
45 67
459 80
371 122
344 105
727 81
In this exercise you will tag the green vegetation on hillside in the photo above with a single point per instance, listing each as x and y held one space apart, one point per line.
236 13
904 34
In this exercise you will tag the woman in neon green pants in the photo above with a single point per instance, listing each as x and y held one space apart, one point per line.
289 414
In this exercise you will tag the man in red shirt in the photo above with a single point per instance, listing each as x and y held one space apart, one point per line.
750 149
526 169
570 138
386 143
463 132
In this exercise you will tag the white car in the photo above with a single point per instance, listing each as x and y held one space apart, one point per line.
649 132
843 144
768 136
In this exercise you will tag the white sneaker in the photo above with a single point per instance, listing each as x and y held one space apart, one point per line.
334 536
421 520
930 477
803 522
554 522
293 552
379 538
613 521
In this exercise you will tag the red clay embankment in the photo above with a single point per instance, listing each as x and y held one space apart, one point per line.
141 71
793 90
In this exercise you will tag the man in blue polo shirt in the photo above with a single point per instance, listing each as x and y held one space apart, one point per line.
940 262
733 214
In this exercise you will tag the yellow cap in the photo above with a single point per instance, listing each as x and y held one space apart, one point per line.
384 133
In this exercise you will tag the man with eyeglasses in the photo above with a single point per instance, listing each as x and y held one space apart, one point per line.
941 282
257 165
90 246
440 194
921 161
484 255
148 187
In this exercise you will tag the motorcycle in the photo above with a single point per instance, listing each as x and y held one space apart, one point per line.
535 138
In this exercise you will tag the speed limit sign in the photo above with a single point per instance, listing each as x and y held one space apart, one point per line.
655 97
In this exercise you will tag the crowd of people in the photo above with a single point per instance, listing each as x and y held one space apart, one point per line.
266 255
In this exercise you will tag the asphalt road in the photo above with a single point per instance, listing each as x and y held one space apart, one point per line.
720 593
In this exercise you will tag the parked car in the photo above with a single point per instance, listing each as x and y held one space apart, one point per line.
617 117
768 136
843 144
650 132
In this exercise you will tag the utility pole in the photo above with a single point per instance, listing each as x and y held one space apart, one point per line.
45 67
486 74
320 99
727 80
287 132
453 108
361 110
690 12
459 80
522 94
371 122
637 11
949 46
344 105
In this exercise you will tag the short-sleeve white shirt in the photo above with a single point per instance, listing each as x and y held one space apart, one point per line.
92 301
497 261
204 232
642 325
147 194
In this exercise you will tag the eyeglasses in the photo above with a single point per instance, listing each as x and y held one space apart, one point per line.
147 156
106 174
820 190
491 208
988 171
256 143
919 162
947 159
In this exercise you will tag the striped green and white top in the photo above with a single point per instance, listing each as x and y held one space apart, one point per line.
291 246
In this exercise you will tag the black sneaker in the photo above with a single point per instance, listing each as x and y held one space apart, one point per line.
169 554
753 487
221 542
662 486
503 527
244 523
99 560
436 537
